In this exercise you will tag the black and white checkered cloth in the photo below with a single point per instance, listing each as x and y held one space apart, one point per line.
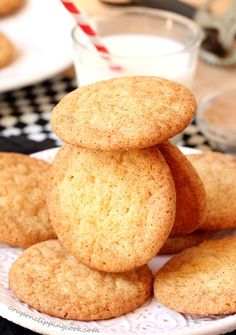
25 115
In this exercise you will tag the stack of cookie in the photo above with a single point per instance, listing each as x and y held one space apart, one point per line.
112 197
118 190
112 200
113 194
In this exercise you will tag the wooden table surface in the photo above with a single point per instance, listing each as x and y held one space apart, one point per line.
207 78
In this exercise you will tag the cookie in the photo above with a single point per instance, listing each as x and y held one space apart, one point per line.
52 281
123 113
201 279
6 51
10 6
218 173
190 192
23 212
111 210
174 245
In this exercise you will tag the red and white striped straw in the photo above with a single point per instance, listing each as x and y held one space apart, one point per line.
82 22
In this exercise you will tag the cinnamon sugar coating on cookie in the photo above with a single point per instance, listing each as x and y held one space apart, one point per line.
23 212
52 281
123 113
201 279
218 174
111 210
190 192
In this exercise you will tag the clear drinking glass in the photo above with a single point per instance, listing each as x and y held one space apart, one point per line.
143 42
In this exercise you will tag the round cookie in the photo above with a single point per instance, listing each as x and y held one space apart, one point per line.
190 192
6 51
200 280
174 245
123 113
218 173
10 6
23 212
54 282
113 211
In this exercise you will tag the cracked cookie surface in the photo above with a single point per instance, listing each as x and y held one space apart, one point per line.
200 280
218 174
52 281
23 212
112 210
123 113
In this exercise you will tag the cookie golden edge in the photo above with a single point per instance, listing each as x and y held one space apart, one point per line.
112 138
117 264
191 199
63 305
172 289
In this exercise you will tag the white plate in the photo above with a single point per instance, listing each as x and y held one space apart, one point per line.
152 318
40 32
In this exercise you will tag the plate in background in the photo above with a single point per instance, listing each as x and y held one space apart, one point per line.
40 32
150 319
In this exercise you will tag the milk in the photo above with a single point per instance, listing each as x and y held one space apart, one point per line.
137 55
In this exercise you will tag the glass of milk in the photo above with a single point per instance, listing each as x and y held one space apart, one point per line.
141 41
